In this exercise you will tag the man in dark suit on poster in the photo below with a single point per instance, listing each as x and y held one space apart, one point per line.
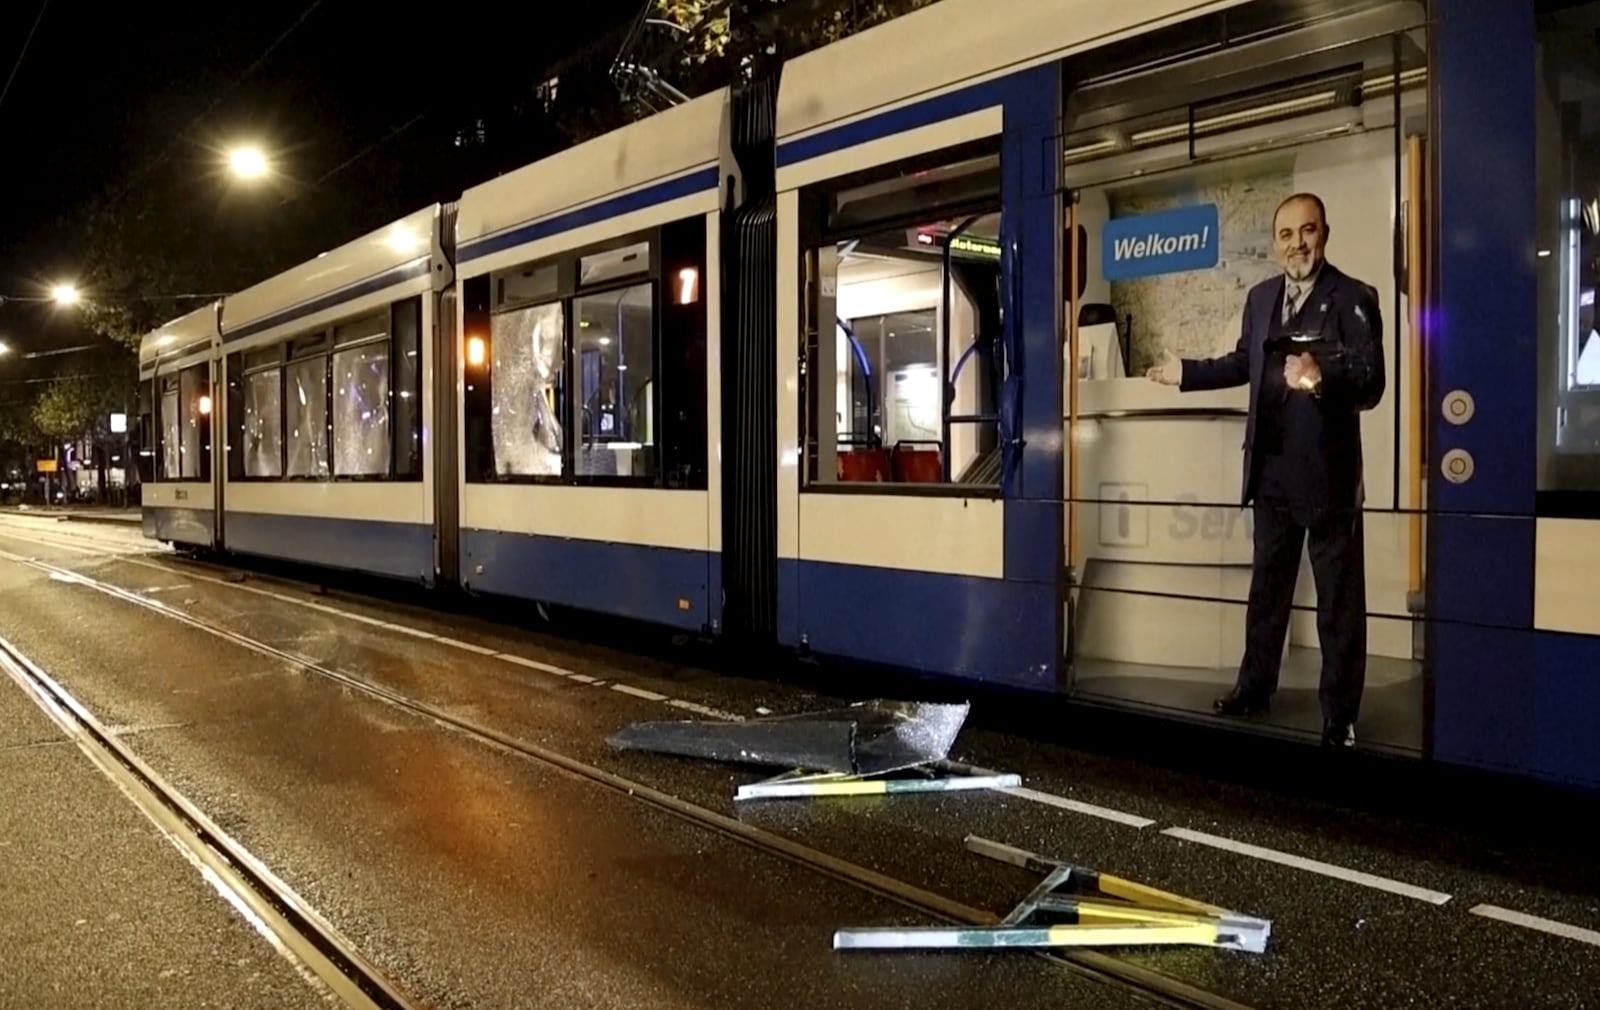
1311 350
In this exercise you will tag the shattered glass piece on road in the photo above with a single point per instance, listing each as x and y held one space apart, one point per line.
868 738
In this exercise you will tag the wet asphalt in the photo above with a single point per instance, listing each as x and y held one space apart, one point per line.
97 908
477 879
483 879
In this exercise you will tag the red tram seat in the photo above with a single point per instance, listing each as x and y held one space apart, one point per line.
914 465
864 465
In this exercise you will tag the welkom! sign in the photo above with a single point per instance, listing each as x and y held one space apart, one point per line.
1169 242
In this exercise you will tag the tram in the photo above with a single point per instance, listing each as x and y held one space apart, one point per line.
853 361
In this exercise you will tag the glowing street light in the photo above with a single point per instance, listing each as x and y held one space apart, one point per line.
64 294
247 162
5 349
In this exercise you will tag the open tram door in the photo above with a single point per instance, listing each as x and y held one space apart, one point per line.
1189 157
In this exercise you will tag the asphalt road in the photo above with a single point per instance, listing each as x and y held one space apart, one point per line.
480 878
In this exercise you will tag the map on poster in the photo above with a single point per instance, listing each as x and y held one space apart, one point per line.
1195 313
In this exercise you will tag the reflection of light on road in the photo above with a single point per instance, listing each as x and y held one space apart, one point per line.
249 915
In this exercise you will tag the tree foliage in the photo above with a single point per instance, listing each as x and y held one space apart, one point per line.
725 41
80 404
65 409
131 267
17 430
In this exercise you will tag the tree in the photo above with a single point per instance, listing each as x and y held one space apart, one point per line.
19 436
721 42
77 406
66 409
124 270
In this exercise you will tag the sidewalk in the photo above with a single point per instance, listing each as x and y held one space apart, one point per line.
83 514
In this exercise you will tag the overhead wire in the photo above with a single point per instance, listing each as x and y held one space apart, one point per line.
24 53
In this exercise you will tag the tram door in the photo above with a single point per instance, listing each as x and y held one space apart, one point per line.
1192 196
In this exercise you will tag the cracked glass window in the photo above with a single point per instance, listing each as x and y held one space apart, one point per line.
263 424
529 390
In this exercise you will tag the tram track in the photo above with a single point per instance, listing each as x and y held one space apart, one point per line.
283 918
1159 987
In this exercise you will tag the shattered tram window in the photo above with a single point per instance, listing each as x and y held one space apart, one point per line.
361 411
263 424
528 383
171 430
196 410
307 415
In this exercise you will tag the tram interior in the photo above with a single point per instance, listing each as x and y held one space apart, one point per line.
1162 549
899 330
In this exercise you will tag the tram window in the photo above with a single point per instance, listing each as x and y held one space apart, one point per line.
361 446
194 446
407 390
171 429
1568 201
902 297
599 380
365 327
526 284
616 368
614 264
306 417
529 389
261 422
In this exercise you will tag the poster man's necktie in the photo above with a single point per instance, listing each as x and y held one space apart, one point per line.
1294 293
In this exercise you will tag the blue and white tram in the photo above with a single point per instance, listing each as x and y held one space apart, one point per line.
852 361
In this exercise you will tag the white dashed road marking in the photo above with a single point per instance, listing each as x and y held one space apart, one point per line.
1310 865
1554 927
1079 807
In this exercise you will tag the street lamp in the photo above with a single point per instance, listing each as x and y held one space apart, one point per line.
247 162
68 294
60 294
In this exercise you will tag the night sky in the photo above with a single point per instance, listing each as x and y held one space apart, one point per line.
144 98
